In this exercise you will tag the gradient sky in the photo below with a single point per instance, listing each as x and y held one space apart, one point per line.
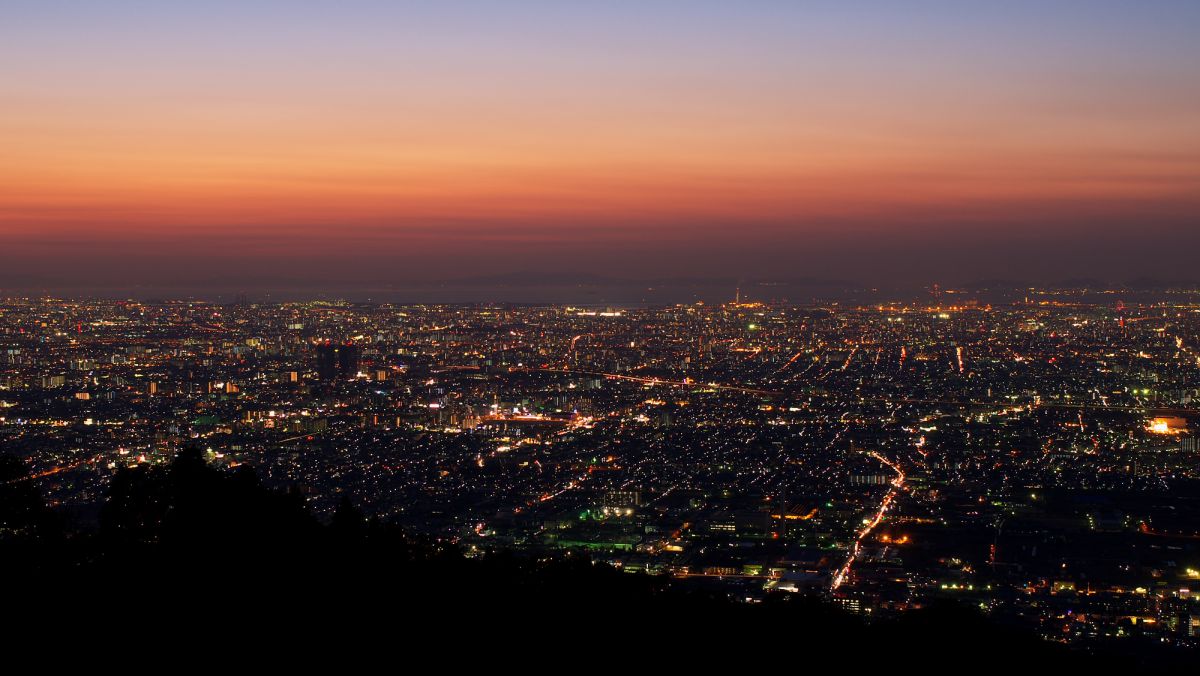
273 144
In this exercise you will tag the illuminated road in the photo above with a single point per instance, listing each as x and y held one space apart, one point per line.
897 485
55 470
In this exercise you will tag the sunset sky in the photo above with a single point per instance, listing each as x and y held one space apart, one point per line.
273 144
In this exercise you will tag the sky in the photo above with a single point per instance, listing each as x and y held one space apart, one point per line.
354 145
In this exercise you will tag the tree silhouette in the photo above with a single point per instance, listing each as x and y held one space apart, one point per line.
23 512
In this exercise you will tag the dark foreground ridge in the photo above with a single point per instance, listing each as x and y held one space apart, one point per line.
200 549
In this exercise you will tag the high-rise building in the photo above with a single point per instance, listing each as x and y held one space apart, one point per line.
337 360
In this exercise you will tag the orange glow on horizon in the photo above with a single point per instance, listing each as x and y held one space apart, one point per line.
530 135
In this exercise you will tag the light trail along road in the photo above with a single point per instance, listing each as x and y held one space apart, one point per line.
884 505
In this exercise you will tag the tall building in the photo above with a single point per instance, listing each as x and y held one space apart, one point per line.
337 360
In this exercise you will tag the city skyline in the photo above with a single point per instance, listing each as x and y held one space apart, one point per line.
974 471
856 332
271 148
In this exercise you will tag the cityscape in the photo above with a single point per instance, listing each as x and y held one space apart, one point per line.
655 335
1036 458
